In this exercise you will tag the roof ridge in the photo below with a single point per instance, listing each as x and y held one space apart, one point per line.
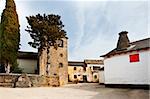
140 40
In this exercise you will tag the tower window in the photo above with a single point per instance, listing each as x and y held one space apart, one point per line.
61 55
60 64
60 43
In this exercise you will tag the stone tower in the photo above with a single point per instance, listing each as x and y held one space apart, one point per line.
55 61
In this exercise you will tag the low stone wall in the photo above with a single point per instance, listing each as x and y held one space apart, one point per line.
27 80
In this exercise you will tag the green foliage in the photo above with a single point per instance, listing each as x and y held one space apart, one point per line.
45 29
9 34
16 69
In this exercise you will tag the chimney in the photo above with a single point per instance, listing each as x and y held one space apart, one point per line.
123 41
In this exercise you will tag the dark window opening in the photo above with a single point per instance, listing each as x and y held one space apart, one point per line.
60 64
61 55
75 76
60 43
2 68
95 76
75 68
96 68
55 74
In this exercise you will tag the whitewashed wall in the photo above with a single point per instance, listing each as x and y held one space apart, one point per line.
28 65
90 75
119 70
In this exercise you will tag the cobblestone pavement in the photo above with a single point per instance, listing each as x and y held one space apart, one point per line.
73 91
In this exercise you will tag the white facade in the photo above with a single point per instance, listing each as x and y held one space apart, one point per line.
92 74
119 69
28 65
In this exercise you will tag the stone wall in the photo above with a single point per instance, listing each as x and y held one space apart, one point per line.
63 63
27 80
42 61
7 80
59 62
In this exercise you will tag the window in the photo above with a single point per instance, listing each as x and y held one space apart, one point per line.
75 68
75 76
55 74
61 55
60 64
51 44
95 76
96 67
134 58
60 43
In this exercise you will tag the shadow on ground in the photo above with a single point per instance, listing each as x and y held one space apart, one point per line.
122 94
111 93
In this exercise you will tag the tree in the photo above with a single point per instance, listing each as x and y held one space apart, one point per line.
9 36
45 30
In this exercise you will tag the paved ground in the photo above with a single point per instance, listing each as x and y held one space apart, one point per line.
73 91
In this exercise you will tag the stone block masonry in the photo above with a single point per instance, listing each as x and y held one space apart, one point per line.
28 80
54 62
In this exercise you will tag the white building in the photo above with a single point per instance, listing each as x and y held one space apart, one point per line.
128 63
92 69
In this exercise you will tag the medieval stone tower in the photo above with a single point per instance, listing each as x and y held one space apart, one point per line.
54 61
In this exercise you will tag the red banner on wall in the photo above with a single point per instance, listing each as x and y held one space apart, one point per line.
134 58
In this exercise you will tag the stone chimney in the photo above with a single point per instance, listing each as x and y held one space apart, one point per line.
123 41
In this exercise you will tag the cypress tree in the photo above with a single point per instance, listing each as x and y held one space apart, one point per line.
9 36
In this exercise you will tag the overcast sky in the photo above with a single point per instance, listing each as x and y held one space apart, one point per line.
92 26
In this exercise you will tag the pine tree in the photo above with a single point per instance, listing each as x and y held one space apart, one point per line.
45 29
9 36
